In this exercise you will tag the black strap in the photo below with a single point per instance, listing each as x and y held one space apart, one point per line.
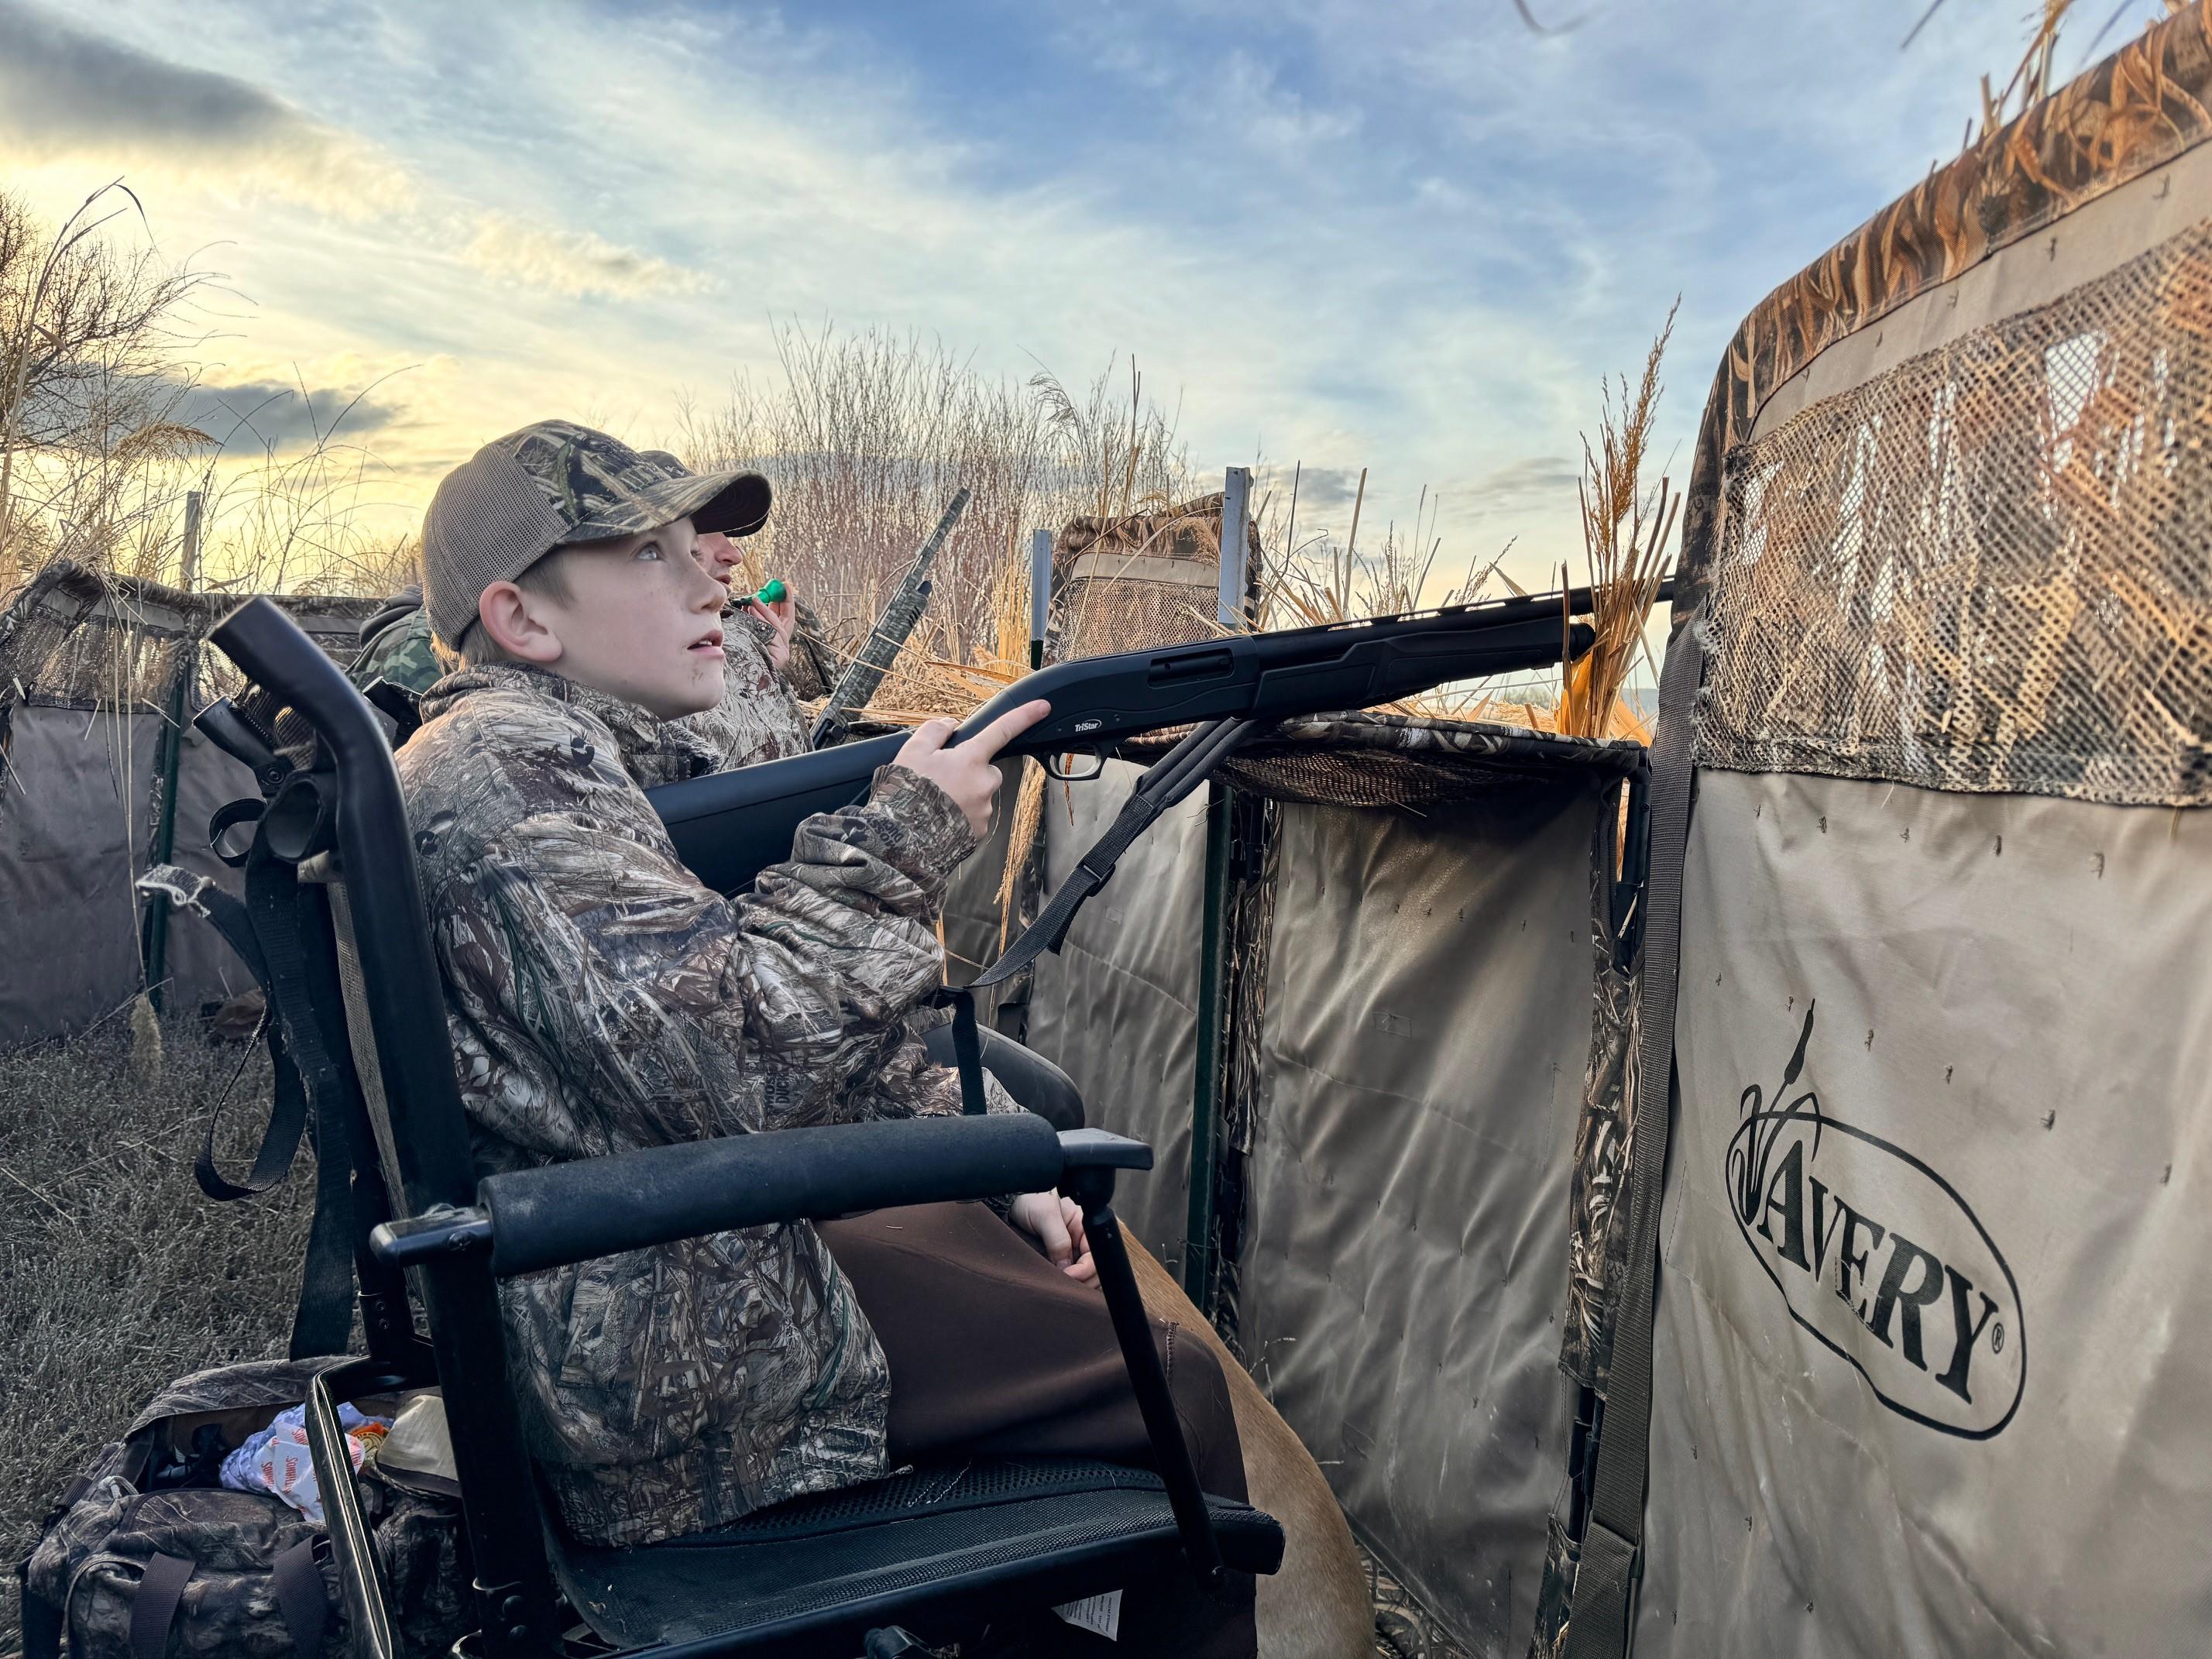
283 910
1178 772
266 919
309 1090
280 1137
1168 780
1611 1547
322 1319
967 1051
42 1619
154 1609
303 1600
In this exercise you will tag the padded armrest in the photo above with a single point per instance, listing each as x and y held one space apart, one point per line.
572 1211
1032 1080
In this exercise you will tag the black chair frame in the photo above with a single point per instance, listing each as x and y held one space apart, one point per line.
343 822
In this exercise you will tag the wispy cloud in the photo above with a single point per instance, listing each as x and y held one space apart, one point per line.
1533 480
1321 489
66 91
579 263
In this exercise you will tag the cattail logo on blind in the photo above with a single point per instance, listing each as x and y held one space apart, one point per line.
1880 1257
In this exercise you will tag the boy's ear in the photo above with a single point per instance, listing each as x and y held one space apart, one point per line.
510 619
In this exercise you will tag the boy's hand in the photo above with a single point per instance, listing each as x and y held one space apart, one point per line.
783 617
965 773
1056 1223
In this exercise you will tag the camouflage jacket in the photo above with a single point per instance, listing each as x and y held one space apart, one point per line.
600 1000
758 718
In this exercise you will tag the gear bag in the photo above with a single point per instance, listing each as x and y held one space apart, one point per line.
149 1554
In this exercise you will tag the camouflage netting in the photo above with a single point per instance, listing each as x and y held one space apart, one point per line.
1989 569
74 636
1150 579
1408 762
91 667
1946 528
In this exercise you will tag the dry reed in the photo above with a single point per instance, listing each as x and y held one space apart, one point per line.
2031 78
1625 529
866 436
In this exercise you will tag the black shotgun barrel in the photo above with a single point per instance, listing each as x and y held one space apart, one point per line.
731 826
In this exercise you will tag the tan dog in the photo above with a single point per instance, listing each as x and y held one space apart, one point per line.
1317 1606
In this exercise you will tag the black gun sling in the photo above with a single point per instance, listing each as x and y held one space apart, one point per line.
1170 779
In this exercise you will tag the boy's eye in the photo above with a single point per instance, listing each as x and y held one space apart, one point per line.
650 551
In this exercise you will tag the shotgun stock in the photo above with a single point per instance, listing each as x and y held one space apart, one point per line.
732 825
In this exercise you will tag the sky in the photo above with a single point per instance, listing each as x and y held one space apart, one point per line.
1408 235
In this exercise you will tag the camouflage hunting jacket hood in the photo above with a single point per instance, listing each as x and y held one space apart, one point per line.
600 1000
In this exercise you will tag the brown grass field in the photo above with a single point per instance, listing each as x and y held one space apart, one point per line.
116 1273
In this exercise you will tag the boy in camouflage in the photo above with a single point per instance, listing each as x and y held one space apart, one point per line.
600 999
758 718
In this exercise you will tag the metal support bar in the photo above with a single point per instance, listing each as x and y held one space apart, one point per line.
1210 1071
154 952
1212 1068
1093 1188
1236 493
188 568
1040 594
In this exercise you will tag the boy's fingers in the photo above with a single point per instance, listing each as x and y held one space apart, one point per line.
929 737
1008 726
1052 1233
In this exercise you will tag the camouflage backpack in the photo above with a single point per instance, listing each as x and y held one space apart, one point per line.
147 1553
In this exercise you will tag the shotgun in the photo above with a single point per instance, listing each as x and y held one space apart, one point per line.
729 826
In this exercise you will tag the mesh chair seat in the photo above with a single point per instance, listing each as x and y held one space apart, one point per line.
932 1541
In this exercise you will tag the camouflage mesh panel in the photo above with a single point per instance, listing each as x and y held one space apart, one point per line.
1361 759
1107 614
71 636
1103 600
75 635
1989 569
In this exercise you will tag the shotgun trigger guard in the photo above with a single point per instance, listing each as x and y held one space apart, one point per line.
1058 768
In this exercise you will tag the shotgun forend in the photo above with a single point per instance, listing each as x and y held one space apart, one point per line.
731 826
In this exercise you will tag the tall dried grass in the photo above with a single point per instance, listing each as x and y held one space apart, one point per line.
90 327
866 436
119 1275
1625 529
97 331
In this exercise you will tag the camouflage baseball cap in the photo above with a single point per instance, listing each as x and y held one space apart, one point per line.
553 482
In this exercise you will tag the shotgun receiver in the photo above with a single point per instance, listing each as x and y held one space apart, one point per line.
731 826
